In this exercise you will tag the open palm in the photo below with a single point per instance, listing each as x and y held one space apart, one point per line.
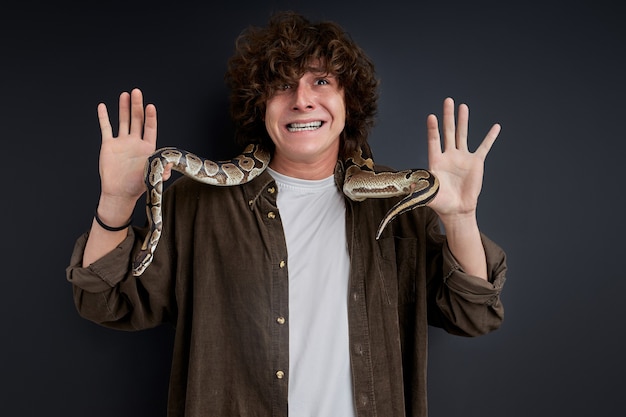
460 172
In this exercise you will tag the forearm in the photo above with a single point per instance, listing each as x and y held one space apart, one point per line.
113 212
464 241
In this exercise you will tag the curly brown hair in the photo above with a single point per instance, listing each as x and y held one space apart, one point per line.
270 57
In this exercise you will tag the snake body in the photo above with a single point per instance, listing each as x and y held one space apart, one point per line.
419 186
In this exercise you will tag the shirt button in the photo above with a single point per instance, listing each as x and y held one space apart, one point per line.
271 190
280 374
282 264
280 320
271 215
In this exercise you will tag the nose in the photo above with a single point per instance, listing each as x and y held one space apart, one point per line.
303 98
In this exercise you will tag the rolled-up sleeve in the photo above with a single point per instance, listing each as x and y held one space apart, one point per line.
103 274
472 305
107 293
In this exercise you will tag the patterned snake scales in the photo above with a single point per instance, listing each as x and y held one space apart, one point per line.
361 182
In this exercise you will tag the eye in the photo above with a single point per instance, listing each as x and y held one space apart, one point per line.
322 81
280 87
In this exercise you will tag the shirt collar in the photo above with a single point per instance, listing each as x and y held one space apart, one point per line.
255 188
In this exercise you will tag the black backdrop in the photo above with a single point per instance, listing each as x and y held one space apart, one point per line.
553 197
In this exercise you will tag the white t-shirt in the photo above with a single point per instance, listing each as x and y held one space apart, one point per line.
313 217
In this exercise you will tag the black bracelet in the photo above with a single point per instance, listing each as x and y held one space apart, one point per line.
109 228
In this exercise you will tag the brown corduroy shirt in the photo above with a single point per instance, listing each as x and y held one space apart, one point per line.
220 276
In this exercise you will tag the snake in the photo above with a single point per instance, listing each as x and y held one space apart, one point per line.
361 181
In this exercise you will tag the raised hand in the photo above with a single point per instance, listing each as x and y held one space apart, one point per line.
460 171
123 157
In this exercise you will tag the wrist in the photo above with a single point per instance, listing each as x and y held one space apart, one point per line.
459 221
114 213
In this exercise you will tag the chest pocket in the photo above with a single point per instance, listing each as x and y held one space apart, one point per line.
398 268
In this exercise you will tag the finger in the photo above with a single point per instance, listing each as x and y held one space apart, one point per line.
448 126
105 124
489 140
136 107
150 128
167 171
434 139
462 127
124 113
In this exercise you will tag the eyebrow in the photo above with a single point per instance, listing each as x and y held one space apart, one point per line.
324 74
318 70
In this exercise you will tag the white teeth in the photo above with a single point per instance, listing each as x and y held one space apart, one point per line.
298 127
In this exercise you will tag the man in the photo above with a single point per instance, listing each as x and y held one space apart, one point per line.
283 300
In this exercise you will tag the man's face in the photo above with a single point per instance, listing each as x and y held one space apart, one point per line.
305 121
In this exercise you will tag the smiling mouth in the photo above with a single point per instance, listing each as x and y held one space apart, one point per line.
299 127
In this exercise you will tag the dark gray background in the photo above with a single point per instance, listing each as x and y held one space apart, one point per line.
553 195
